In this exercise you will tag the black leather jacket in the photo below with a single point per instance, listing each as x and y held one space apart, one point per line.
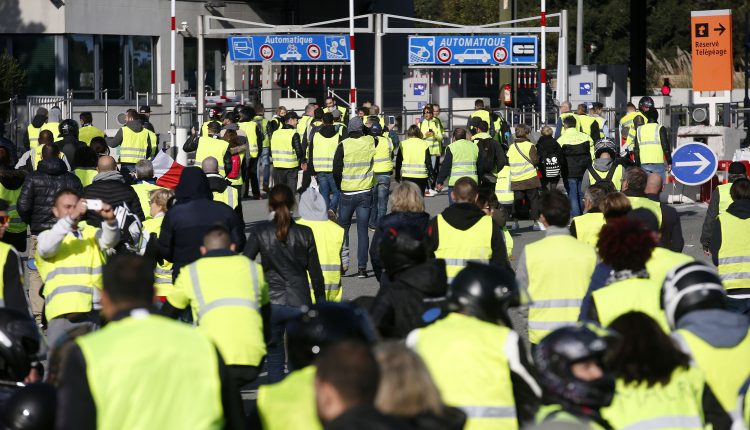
287 264
38 193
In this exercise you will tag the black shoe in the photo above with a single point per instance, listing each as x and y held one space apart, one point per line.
362 273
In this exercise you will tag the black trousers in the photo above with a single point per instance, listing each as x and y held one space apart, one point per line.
250 177
421 182
17 240
532 196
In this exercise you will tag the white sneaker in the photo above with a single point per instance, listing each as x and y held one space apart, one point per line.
538 226
515 226
430 193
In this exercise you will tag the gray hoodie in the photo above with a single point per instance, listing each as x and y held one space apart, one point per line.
600 165
718 327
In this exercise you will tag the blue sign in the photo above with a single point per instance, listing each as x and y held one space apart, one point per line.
694 163
420 89
473 50
584 88
287 48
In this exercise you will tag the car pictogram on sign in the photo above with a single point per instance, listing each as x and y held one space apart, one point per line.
313 51
266 51
500 54
444 54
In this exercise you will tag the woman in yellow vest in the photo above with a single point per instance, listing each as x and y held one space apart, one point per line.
586 227
655 381
158 200
413 162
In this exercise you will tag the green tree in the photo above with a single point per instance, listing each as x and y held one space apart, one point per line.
12 79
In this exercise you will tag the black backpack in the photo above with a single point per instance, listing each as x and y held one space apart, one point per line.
488 152
598 179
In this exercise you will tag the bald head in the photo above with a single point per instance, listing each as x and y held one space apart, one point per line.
210 165
653 183
106 164
465 191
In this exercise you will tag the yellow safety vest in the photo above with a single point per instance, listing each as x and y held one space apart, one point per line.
502 187
329 239
616 177
742 414
11 196
413 165
662 261
134 145
584 124
250 127
725 198
574 137
626 122
649 143
71 275
646 203
458 247
520 168
383 155
85 175
466 358
211 147
36 156
290 403
482 114
141 366
556 414
302 124
226 294
229 197
588 227
559 269
263 124
725 368
675 405
5 249
163 271
359 155
282 151
567 114
143 191
323 151
734 254
436 139
508 242
33 133
88 132
464 164
630 295
53 127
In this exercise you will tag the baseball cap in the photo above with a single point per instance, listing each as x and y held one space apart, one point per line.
144 109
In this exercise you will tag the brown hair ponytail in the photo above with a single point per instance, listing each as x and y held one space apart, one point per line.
281 201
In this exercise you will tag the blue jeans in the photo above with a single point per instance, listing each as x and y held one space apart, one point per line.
328 189
347 206
658 168
276 357
264 168
573 188
380 199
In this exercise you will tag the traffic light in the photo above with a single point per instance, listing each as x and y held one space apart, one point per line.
666 89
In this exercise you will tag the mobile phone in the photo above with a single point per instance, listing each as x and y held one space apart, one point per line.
94 204
391 120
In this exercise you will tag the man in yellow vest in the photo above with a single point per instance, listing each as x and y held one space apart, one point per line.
652 148
214 115
136 142
88 131
626 122
413 159
477 361
255 141
432 133
605 168
329 240
481 112
461 160
12 291
586 227
210 145
634 186
144 184
382 169
353 171
221 188
557 270
290 404
565 111
463 233
305 121
70 257
31 136
717 339
141 365
730 248
321 150
720 201
578 150
287 153
331 105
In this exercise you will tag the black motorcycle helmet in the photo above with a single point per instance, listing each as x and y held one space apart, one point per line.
645 102
402 248
20 342
32 407
559 351
691 287
606 145
485 292
320 325
68 127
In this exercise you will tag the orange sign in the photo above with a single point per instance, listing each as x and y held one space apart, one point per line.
711 32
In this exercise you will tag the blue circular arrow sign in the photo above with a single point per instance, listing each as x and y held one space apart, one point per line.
694 163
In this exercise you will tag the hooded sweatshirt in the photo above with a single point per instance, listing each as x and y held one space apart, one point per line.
312 207
602 166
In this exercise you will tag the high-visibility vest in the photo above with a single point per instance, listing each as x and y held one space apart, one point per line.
5 249
584 124
734 254
143 191
588 227
413 165
616 177
466 358
263 124
626 122
435 140
556 414
324 149
502 187
725 198
342 110
482 114
302 125
86 175
359 155
282 152
520 168
646 203
33 133
600 121
36 156
480 135
649 143
675 405
88 132
229 197
295 393
559 269
630 295
226 294
383 155
11 196
211 147
567 114
464 164
574 137
53 127
204 127
71 275
134 145
143 365
329 238
725 368
662 261
741 416
508 242
163 271
458 247
250 128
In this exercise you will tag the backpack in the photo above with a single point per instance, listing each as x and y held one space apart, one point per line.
598 179
131 230
488 153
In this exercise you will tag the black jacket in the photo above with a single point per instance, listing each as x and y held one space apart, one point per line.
418 220
452 419
219 185
114 191
69 145
550 156
287 264
404 297
38 193
577 158
671 227
367 418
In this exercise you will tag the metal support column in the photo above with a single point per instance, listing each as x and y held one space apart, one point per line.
562 58
200 92
378 72
579 34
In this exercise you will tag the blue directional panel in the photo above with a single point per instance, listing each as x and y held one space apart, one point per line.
493 50
694 163
289 48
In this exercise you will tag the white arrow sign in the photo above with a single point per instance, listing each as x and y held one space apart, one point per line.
703 163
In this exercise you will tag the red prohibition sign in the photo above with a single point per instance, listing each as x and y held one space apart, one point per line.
313 51
444 55
266 51
500 54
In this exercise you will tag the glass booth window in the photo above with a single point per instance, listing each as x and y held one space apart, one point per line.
81 65
142 64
